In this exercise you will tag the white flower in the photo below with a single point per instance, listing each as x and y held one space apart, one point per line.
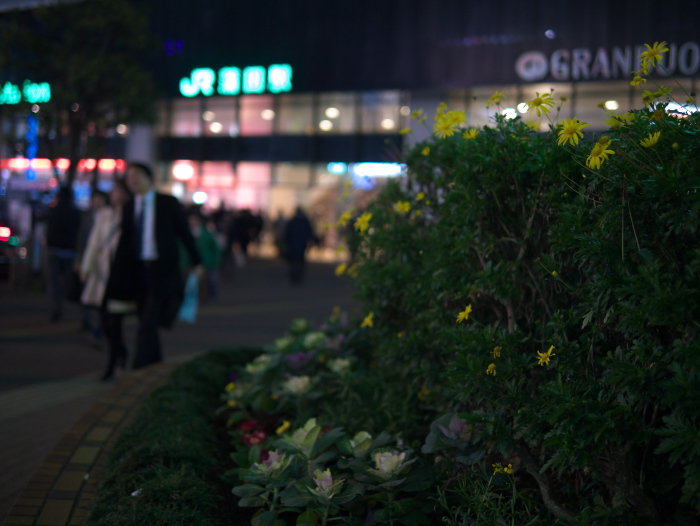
389 463
259 365
282 344
297 385
312 339
275 463
325 487
339 365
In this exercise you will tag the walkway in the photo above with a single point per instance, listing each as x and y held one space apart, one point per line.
49 373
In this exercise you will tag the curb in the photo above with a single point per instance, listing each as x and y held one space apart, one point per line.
60 492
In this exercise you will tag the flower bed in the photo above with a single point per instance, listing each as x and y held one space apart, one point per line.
528 351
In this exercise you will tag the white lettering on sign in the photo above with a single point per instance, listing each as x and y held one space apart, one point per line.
583 64
531 66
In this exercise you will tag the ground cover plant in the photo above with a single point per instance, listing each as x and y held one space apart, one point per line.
528 348
165 467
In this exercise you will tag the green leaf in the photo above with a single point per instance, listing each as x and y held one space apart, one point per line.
309 518
247 490
266 518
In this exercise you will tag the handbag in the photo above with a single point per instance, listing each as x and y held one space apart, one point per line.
188 309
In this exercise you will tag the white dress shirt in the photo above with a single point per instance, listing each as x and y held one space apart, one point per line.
146 204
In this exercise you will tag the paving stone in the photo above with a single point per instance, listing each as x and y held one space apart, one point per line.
85 455
70 481
98 434
16 521
113 416
55 513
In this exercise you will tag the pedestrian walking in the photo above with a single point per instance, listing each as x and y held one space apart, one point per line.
98 200
146 266
298 234
62 223
209 253
95 269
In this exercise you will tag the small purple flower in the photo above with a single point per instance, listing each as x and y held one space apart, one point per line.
297 360
234 376
457 429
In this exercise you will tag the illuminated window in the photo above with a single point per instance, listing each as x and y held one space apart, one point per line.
279 78
339 109
254 79
293 174
229 81
186 120
294 114
221 110
252 121
378 108
201 81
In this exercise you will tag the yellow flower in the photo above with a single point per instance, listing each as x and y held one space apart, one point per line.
603 141
533 125
367 322
496 352
616 119
231 403
597 156
415 114
674 146
340 269
540 103
423 393
470 134
648 96
496 469
457 118
491 369
653 54
230 387
444 127
464 315
689 100
663 91
322 358
420 196
422 119
399 335
345 218
362 222
286 424
571 131
274 396
402 207
335 314
352 271
442 108
658 115
637 80
509 469
425 151
416 213
405 131
651 139
543 357
495 99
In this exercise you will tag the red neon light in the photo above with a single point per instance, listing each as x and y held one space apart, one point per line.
5 233
107 165
90 164
41 164
63 164
18 164
120 165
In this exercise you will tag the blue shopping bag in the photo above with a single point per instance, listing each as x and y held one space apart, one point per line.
188 309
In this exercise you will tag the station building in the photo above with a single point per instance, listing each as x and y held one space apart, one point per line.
269 105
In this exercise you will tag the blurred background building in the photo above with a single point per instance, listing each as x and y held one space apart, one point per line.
268 105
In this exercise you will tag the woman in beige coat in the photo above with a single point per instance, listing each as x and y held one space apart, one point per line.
95 268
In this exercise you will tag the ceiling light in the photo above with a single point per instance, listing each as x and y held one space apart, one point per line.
325 125
388 124
267 115
332 113
208 116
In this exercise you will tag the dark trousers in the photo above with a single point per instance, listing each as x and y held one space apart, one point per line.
112 329
297 264
150 307
60 271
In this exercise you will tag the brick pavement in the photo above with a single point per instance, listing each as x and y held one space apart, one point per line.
49 379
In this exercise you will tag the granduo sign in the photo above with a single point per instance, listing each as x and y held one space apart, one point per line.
584 64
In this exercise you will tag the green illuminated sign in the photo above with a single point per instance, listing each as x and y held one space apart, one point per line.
231 81
254 79
279 78
10 94
36 93
201 80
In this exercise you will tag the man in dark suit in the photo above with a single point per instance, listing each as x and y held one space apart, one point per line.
146 266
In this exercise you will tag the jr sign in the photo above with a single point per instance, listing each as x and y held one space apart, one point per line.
231 81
